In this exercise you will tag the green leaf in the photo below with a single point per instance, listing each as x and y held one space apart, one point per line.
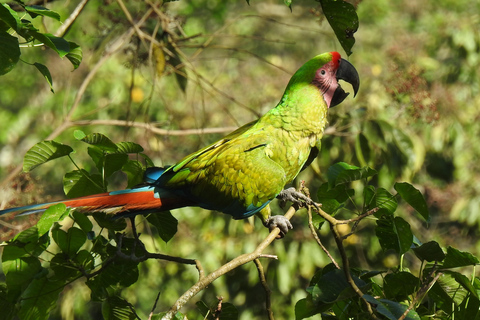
390 309
342 172
108 222
429 251
394 234
40 298
43 152
35 10
79 183
343 19
83 222
116 308
46 73
413 197
114 162
101 141
9 16
79 134
69 242
333 199
456 258
165 223
399 285
63 268
362 149
385 201
304 308
129 147
53 214
134 171
333 286
75 55
19 273
9 52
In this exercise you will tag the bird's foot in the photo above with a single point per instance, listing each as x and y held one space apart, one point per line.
296 197
279 222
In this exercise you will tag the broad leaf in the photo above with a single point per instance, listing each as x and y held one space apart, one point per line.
75 55
9 52
129 147
456 258
53 214
343 19
40 297
429 251
35 10
385 201
101 141
342 172
46 73
116 308
399 285
43 152
165 223
413 197
80 183
390 309
394 234
134 171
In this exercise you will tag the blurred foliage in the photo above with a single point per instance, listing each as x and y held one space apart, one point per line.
414 120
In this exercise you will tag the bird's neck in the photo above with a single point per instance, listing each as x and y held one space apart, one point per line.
302 108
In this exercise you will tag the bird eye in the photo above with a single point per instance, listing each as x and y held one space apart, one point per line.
322 72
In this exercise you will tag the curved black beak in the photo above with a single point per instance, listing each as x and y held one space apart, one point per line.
346 72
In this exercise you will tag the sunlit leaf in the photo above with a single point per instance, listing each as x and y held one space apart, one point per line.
35 10
101 141
75 55
129 147
53 214
43 152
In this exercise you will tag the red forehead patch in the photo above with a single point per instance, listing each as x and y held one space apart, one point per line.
335 58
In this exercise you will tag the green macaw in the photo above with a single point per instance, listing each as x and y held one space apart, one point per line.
243 172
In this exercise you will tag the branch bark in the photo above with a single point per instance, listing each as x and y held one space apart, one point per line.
235 263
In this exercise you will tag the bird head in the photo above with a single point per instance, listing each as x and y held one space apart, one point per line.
324 71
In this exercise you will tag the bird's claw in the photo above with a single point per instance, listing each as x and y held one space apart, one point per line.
279 222
296 197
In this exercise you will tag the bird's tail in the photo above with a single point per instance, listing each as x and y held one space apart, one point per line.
127 202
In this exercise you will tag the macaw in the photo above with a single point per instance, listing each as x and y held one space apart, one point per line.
242 173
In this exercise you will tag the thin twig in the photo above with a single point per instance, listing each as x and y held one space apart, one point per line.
236 262
71 19
154 306
268 292
317 238
152 128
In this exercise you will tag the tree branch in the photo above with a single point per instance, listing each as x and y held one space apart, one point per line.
238 261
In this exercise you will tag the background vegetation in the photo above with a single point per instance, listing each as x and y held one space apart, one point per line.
225 63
